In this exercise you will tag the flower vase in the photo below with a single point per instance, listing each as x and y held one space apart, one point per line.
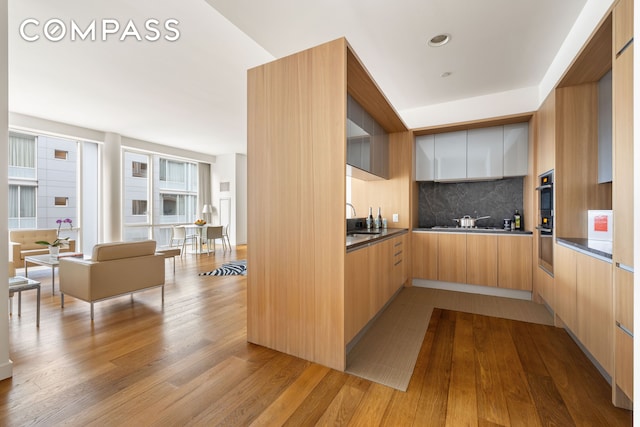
54 251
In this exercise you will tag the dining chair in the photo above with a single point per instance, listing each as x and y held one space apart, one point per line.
214 233
180 237
225 236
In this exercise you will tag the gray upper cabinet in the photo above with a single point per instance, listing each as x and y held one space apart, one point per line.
485 153
425 158
516 149
605 129
451 156
367 144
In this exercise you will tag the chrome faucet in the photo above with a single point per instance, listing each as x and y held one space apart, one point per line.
353 210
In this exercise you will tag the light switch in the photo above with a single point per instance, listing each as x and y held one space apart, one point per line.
395 218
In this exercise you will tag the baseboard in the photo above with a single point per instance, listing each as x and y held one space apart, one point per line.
473 289
6 370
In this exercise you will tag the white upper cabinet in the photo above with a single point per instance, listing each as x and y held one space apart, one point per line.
451 156
485 153
516 149
425 158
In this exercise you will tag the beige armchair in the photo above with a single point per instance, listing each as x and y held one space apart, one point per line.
114 269
23 244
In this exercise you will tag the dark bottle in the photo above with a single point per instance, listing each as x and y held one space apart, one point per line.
370 218
517 223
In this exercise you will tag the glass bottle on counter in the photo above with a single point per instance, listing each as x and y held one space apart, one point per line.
378 221
370 218
516 220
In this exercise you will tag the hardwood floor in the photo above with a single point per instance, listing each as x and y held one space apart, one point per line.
188 363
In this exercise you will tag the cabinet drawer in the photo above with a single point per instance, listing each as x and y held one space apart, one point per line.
623 297
624 362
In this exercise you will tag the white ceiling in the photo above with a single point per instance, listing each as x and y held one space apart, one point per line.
191 93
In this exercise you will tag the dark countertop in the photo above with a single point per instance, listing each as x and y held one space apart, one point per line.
597 248
479 230
356 242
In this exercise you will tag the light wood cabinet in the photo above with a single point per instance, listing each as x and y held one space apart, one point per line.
623 298
356 292
452 257
623 158
482 259
373 274
623 341
622 25
473 258
624 367
565 282
546 138
514 262
622 192
424 255
594 308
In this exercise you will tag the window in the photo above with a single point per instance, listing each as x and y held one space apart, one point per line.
159 191
22 206
172 171
61 201
178 175
138 207
139 169
22 156
60 154
180 206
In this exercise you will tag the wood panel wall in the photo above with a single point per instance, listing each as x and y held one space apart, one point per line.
296 204
576 174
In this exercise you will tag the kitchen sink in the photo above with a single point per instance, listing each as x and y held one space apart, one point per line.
363 233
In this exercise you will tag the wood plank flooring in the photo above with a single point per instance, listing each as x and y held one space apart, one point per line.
187 362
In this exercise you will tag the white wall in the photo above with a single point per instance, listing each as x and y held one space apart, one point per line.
6 369
241 196
231 168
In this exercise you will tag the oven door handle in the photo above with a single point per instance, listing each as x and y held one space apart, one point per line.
544 229
544 187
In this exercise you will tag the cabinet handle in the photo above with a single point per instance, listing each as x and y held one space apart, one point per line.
397 244
624 267
625 330
397 253
397 262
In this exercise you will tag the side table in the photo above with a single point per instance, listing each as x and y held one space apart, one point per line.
17 285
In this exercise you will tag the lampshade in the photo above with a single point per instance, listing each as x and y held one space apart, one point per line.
206 209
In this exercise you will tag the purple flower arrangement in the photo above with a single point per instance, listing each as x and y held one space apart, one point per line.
64 221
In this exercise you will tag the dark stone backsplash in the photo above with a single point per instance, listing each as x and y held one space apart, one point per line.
440 202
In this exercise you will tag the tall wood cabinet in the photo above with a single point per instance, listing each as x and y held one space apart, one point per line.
296 151
622 190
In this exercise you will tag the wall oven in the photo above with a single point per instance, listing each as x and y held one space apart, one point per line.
545 222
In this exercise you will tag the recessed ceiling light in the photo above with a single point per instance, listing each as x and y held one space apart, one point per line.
445 74
439 40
